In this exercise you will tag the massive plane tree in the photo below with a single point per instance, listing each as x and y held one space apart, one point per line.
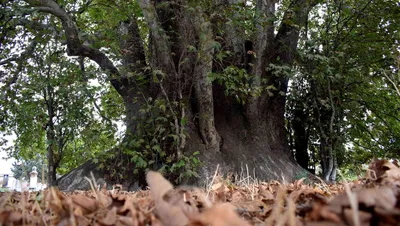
207 77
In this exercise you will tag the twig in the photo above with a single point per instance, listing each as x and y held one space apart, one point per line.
393 83
353 201
212 181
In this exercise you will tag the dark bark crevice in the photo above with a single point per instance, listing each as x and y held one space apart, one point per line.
300 132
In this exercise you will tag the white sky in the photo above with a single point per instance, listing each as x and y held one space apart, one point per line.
5 165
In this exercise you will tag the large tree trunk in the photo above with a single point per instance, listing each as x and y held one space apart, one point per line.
234 135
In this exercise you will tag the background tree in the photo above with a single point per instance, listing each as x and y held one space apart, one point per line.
347 54
22 169
52 106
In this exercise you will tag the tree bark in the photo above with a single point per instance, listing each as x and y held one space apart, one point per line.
162 59
134 66
51 138
263 42
325 118
203 85
326 159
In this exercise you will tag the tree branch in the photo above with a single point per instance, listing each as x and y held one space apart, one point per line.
392 82
159 37
74 44
29 51
288 35
102 115
132 49
83 8
265 10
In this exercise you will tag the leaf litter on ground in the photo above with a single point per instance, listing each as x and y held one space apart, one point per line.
372 200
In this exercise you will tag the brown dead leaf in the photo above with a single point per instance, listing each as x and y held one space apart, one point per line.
392 174
266 194
216 186
127 207
54 198
323 223
384 171
169 215
88 205
159 186
104 199
117 200
128 221
174 197
364 217
251 206
383 197
10 218
221 193
298 183
219 215
321 212
111 217
82 221
261 204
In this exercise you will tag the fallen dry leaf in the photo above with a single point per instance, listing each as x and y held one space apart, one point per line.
111 218
10 218
169 215
219 215
384 171
383 197
375 202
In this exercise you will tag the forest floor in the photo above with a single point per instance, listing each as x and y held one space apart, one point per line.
372 200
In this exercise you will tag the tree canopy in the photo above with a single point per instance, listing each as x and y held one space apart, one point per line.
273 85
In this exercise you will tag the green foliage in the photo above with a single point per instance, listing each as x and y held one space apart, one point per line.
155 144
156 141
184 168
301 174
4 190
112 103
341 67
53 93
237 82
350 173
241 85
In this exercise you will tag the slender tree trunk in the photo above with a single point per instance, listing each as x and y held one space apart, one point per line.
326 159
51 174
332 177
50 138
300 138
